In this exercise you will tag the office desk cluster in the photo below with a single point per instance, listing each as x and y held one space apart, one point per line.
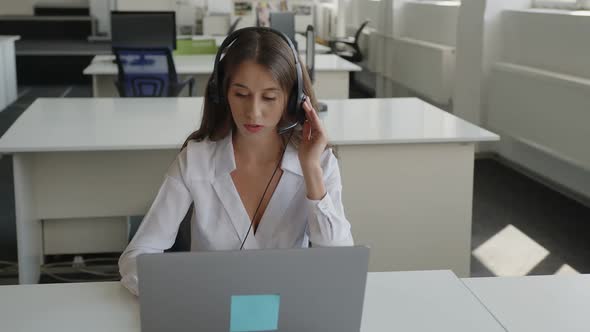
331 74
394 301
82 166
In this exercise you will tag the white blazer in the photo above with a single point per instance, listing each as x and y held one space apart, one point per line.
201 174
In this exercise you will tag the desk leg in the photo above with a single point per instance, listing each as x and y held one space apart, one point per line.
104 86
28 227
95 86
200 85
411 203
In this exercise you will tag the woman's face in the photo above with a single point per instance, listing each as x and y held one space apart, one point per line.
256 100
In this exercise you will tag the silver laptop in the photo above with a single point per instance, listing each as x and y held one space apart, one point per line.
315 289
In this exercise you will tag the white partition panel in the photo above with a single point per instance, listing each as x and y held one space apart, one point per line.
425 68
551 40
431 21
548 110
8 90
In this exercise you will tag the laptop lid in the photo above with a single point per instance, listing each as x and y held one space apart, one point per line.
313 289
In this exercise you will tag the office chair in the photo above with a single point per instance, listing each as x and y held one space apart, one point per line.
148 72
232 28
352 51
183 237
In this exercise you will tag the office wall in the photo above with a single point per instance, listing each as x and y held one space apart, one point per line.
25 7
539 96
542 109
467 93
431 22
357 11
524 74
379 13
418 50
551 40
479 46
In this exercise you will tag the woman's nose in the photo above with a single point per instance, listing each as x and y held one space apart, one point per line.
256 107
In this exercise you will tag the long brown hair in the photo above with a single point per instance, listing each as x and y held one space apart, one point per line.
264 48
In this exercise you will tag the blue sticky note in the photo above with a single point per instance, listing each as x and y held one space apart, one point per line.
251 313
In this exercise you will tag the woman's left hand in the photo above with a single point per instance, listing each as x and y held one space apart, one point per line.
314 140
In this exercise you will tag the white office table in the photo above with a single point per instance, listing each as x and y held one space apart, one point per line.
331 74
301 42
82 165
8 91
537 303
394 301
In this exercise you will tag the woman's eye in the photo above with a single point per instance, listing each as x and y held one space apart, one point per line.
241 94
270 98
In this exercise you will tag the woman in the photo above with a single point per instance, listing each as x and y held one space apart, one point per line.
251 186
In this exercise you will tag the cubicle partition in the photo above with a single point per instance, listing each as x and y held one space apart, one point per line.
47 27
8 80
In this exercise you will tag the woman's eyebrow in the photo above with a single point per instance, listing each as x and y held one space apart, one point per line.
240 85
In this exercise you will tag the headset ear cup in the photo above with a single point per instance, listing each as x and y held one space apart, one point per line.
295 107
215 83
300 111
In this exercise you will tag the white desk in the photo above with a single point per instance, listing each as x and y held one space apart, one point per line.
422 301
301 43
8 91
537 303
332 74
407 173
402 301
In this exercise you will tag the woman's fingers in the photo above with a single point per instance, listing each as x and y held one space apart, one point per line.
306 131
311 115
313 118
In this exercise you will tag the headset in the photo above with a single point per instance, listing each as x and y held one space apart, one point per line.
296 96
